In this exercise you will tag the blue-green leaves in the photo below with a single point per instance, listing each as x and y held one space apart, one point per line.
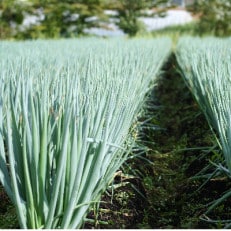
206 68
66 109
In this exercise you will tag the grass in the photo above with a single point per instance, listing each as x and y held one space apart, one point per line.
177 31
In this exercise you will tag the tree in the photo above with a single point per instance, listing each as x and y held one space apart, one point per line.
61 18
129 12
70 17
11 16
215 17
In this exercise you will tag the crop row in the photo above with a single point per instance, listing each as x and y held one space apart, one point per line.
68 113
67 121
206 68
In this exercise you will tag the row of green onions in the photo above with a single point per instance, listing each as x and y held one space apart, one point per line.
66 113
206 67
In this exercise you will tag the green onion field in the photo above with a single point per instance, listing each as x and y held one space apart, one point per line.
115 133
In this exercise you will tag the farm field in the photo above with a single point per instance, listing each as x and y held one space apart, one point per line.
152 152
68 122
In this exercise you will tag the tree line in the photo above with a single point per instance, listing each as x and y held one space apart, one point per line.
70 18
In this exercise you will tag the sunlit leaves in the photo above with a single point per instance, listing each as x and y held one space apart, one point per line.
66 112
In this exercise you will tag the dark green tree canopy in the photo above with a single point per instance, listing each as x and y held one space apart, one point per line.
215 17
71 17
129 12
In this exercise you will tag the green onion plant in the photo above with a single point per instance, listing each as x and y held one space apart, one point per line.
67 110
206 68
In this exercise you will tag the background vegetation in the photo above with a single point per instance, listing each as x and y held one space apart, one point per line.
214 17
70 18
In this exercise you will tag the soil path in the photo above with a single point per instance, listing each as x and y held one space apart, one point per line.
173 202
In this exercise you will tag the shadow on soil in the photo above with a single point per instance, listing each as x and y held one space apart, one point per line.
178 152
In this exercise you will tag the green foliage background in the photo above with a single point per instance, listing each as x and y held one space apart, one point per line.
58 21
57 17
214 16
